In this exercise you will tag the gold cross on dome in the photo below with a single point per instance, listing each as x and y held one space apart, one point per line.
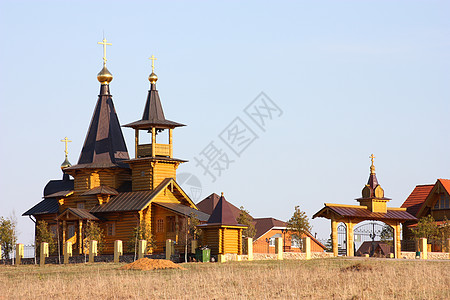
104 43
372 167
153 58
372 157
66 140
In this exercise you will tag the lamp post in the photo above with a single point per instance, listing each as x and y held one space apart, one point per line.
283 231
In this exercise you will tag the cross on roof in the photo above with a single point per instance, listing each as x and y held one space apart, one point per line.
104 43
153 58
66 140
372 167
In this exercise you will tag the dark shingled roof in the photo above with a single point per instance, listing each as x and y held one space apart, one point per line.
223 214
54 186
104 146
262 225
362 212
184 210
60 194
208 204
50 204
153 115
46 206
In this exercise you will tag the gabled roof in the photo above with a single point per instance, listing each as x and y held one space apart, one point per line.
137 201
439 186
417 198
104 146
46 206
102 190
208 204
223 214
153 115
356 211
79 213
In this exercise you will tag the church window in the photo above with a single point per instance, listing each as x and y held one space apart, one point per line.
295 241
111 229
80 205
160 225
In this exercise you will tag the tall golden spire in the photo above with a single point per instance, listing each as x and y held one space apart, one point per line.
66 162
105 77
153 78
372 167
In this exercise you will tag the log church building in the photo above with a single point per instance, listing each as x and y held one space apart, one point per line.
119 192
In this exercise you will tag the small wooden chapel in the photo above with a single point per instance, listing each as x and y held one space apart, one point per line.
110 188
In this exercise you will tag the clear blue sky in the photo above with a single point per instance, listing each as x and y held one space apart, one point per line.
351 77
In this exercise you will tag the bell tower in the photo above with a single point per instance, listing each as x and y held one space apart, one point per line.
153 161
373 194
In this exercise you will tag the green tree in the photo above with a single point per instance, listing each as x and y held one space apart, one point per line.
426 228
244 218
141 232
387 235
43 234
8 235
93 232
299 223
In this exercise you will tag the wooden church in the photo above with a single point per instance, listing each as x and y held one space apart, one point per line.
110 188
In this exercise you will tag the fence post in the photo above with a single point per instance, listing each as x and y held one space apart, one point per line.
448 245
194 244
142 248
279 248
250 248
118 250
43 254
169 249
0 251
308 247
423 248
67 252
19 253
92 251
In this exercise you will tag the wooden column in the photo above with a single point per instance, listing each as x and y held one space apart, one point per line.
80 236
350 241
43 254
136 142
153 141
64 235
250 248
118 250
170 143
240 242
397 241
334 237
308 247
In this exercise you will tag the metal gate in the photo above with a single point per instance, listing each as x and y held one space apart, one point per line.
366 231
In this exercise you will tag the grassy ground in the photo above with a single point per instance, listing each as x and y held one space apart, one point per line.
316 279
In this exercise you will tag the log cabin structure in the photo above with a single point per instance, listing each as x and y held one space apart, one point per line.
372 206
424 200
119 193
222 233
267 230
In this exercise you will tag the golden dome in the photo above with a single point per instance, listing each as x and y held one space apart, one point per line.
104 76
152 78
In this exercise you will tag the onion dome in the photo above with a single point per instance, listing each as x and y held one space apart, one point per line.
104 76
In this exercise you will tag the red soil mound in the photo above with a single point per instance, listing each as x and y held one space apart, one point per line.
151 264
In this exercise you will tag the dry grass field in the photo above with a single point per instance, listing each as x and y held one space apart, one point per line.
315 279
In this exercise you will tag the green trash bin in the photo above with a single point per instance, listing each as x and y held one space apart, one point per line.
203 254
417 254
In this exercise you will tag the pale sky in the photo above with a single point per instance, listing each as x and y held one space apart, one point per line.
349 78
